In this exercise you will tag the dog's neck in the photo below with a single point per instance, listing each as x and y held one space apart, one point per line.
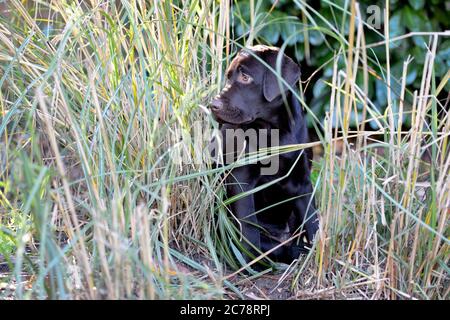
290 113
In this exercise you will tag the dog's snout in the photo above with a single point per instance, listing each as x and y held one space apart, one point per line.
216 103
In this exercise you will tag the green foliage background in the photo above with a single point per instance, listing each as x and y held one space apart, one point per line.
281 21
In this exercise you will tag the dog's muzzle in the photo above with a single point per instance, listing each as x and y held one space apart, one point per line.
216 104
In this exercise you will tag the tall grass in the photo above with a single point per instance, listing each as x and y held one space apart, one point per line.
96 96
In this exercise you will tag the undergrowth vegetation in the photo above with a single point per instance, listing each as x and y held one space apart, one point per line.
95 98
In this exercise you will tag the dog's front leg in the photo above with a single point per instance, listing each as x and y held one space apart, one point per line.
304 215
243 208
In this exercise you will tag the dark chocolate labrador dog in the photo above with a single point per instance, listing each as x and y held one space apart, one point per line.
254 100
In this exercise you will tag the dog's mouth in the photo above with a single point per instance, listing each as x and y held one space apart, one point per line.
231 115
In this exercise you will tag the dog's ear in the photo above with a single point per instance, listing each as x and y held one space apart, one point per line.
290 72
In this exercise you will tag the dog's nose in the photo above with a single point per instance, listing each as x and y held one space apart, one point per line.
216 104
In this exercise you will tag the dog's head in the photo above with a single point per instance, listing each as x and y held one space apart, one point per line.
252 91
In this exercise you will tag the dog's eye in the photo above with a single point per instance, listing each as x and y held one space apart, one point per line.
243 77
